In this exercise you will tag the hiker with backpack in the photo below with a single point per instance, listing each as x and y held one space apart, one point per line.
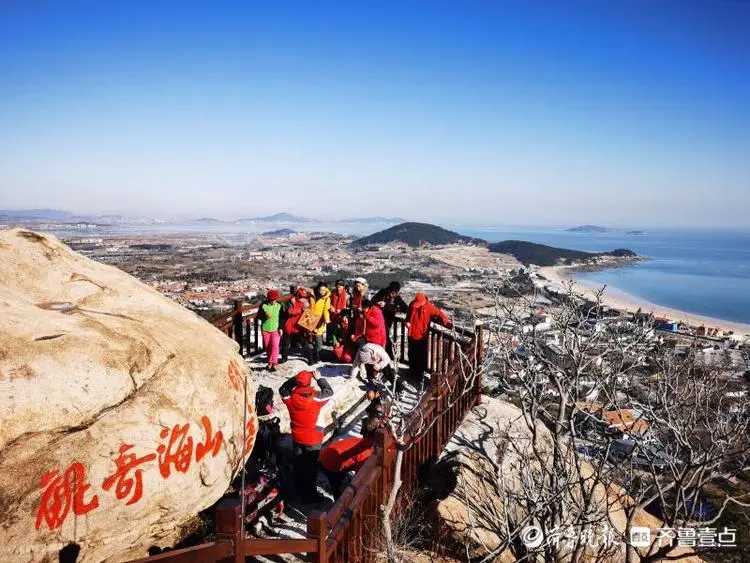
304 403
264 485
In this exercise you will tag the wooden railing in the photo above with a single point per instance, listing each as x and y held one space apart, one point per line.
349 530
351 527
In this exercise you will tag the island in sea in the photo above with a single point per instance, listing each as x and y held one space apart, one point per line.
594 229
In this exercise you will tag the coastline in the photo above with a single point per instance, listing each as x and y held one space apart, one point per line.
562 275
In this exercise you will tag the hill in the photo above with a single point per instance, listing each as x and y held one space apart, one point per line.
417 234
35 214
543 255
588 229
277 218
374 220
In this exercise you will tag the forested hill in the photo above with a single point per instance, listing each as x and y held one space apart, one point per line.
543 255
417 234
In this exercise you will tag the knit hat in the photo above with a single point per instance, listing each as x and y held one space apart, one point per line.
420 299
273 294
304 378
363 281
394 286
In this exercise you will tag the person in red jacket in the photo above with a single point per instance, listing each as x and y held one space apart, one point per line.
304 403
349 454
339 324
371 325
421 314
292 333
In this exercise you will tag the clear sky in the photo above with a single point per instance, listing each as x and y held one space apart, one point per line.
616 112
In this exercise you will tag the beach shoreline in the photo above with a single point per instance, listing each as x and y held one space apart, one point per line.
560 276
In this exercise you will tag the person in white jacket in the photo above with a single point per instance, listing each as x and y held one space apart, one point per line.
375 360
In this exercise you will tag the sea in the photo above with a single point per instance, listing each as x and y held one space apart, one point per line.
701 271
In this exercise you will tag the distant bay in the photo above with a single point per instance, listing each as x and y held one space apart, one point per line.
700 271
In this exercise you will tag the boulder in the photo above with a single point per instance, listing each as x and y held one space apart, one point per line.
485 479
121 413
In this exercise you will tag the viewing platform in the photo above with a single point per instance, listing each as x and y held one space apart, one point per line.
349 529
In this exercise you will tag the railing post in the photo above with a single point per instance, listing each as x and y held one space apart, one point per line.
384 446
250 330
237 322
317 528
229 528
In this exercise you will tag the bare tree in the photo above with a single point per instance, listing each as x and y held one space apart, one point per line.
617 424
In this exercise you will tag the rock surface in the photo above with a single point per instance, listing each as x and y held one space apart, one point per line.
482 480
121 413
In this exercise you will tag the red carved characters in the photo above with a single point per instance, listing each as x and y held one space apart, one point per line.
125 463
60 493
210 444
251 430
177 452
68 492
235 375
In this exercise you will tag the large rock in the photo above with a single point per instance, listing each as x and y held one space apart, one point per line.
121 413
490 472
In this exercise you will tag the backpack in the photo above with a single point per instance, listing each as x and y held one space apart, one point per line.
264 454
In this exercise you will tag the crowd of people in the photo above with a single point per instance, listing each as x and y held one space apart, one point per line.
358 329
345 319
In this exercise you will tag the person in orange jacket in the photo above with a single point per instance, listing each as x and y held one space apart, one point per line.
293 334
349 454
421 314
304 404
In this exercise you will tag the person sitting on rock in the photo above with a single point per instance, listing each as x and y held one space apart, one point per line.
304 403
293 334
375 360
269 314
370 325
391 303
421 314
342 456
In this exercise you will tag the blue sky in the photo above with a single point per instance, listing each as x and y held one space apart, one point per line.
501 112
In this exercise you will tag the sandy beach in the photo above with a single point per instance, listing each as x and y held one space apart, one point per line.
561 275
